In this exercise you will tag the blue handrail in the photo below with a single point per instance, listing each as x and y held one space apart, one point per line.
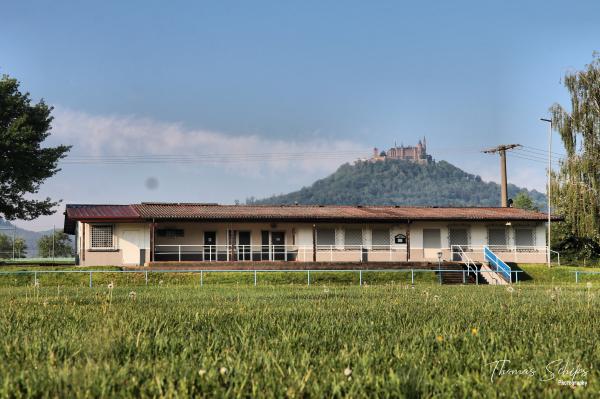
497 264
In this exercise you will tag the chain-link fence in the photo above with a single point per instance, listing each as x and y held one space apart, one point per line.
17 246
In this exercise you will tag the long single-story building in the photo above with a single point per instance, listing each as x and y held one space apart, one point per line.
140 234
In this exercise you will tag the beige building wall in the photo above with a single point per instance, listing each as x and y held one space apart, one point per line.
128 240
299 236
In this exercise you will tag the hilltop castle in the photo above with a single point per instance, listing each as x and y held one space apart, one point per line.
416 154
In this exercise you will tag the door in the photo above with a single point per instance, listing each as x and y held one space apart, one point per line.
130 245
432 243
264 250
210 248
458 236
278 245
524 239
244 245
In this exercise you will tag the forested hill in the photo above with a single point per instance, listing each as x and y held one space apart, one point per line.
395 182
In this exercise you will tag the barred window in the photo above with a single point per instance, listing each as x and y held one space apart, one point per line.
325 236
381 237
497 236
524 237
352 237
102 236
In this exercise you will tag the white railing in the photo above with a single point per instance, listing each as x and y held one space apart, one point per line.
471 266
303 253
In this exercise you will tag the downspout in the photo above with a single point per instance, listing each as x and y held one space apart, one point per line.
314 242
408 240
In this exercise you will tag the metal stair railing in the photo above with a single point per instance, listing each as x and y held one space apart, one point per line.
464 258
497 264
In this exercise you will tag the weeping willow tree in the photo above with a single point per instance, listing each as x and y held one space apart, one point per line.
576 185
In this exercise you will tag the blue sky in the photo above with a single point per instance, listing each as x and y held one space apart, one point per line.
273 77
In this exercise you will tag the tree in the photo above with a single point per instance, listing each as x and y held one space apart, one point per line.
6 247
24 164
576 186
524 201
61 247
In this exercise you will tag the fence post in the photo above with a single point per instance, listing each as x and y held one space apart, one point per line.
146 277
516 277
34 278
255 278
477 277
412 276
464 280
179 252
576 277
90 279
360 277
201 278
308 278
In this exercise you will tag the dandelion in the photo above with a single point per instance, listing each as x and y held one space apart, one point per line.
223 370
436 297
553 296
160 282
111 285
326 290
588 284
439 338
510 289
45 303
201 372
36 284
347 371
474 331
132 295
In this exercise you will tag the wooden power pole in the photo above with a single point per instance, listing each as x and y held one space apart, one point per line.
501 149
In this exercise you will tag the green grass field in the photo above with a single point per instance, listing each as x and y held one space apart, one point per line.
389 340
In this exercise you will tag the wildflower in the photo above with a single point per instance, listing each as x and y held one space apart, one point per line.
36 284
160 282
45 303
347 371
439 338
326 290
201 372
588 284
553 296
223 370
436 297
510 289
111 285
474 331
132 295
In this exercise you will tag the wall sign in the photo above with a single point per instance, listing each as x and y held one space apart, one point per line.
400 239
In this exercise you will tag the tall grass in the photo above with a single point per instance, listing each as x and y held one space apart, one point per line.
292 341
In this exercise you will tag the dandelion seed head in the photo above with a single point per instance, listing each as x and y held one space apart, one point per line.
111 285
588 284
201 372
347 371
223 370
510 289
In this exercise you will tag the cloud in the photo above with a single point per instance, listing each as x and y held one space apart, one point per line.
116 135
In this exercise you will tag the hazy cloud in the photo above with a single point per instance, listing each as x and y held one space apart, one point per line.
101 135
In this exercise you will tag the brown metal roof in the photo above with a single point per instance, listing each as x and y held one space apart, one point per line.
101 211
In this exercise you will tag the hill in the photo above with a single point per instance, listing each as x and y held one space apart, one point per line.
396 182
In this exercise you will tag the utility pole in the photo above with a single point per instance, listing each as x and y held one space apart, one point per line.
549 121
501 149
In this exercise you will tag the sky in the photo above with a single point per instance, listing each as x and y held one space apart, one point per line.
237 85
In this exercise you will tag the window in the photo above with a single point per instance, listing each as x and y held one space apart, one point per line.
326 237
102 236
352 237
381 238
524 238
497 237
170 233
